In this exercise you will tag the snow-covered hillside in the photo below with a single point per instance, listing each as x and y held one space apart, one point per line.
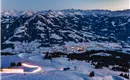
52 70
65 45
31 30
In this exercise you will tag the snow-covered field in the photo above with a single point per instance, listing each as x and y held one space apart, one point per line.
52 70
69 47
28 33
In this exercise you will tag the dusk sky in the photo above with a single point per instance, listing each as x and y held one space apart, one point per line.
64 4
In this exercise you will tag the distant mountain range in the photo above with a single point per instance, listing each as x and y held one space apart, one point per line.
48 28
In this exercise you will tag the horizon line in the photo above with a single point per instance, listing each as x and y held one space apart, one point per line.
68 9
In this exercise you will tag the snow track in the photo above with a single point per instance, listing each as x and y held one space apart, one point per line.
38 69
52 69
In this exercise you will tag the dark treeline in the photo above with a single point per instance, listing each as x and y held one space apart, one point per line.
53 55
6 53
116 58
104 61
125 75
13 64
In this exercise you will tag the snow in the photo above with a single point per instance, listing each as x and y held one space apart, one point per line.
102 54
7 26
60 13
74 36
7 50
103 78
55 36
113 23
23 46
51 69
40 28
104 29
31 52
27 13
129 20
19 36
69 47
40 23
19 30
122 24
42 35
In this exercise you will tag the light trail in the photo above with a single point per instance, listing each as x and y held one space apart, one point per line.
38 69
61 69
32 66
12 71
28 65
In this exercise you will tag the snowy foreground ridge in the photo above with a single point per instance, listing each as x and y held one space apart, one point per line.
52 70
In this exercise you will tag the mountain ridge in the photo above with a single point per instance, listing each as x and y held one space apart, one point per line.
49 28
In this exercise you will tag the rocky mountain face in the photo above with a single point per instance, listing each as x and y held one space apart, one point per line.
49 28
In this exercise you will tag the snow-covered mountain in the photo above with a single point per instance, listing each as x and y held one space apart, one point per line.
49 28
45 45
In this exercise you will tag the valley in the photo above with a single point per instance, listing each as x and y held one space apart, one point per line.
70 44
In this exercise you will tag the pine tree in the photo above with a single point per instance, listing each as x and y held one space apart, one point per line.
12 64
91 74
19 64
121 74
126 76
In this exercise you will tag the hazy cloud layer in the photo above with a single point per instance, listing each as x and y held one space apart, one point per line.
64 4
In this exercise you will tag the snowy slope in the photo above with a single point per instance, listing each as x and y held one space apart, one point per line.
51 69
50 28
